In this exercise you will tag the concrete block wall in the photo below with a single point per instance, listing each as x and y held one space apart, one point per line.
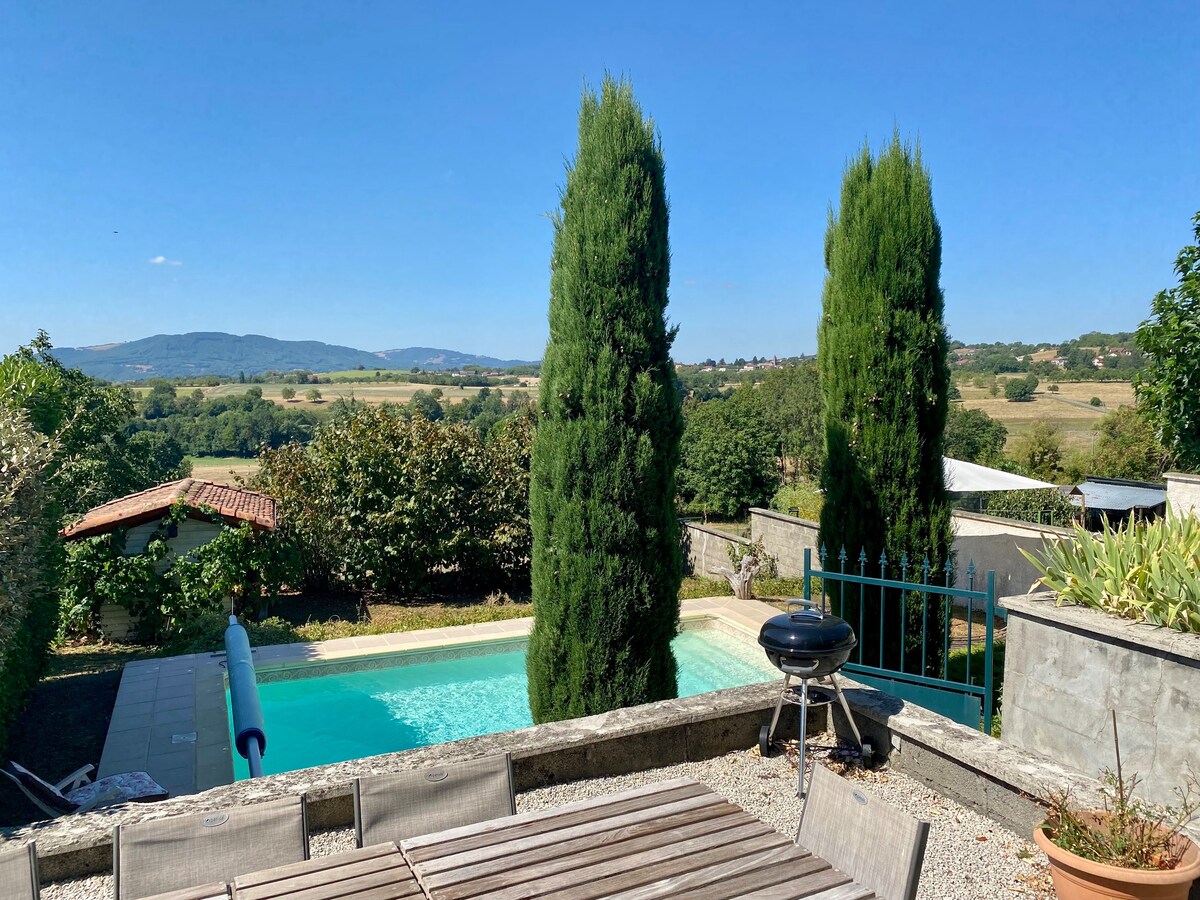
1183 493
785 538
989 541
1067 667
705 548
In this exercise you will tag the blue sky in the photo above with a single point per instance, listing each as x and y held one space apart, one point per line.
379 174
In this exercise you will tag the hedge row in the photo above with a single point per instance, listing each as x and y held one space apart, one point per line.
28 555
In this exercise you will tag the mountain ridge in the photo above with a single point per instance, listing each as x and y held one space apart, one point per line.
197 353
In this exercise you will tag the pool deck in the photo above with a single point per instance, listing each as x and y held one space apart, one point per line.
170 718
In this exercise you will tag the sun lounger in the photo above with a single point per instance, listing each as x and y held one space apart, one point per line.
78 793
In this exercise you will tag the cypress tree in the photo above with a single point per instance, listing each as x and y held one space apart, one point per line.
606 561
882 357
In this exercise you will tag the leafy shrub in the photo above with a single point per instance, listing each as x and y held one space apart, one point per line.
205 633
1128 447
1020 388
1148 571
97 572
971 435
378 500
800 498
1096 401
728 456
1045 506
27 562
240 566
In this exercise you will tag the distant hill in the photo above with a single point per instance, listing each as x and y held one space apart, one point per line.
217 353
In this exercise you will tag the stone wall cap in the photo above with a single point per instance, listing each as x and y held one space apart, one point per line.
717 532
782 517
1011 523
1182 476
1044 607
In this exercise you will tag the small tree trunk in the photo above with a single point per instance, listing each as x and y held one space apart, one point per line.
742 580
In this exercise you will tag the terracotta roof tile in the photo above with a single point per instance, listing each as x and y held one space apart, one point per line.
233 504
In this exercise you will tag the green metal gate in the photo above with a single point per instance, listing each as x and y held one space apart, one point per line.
918 673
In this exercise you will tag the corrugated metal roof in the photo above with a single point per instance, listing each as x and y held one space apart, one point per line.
1116 496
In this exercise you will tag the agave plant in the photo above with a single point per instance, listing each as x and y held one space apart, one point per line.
1148 571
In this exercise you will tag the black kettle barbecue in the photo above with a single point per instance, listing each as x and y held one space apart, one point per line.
807 644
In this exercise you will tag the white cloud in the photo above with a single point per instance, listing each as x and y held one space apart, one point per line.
163 261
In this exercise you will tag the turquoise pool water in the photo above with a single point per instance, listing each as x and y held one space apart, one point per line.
332 718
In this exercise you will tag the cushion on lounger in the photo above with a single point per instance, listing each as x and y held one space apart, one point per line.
135 787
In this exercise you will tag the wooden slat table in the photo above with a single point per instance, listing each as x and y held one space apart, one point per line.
372 873
217 890
674 838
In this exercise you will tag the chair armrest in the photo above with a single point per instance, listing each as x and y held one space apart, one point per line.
76 779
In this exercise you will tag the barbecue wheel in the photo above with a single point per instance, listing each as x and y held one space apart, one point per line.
764 741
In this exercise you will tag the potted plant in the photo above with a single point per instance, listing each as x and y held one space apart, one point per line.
1128 849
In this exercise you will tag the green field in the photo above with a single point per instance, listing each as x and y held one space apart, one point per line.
1069 408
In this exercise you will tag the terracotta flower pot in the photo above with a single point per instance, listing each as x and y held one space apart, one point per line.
1076 878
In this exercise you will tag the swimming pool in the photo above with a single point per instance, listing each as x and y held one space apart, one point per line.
314 716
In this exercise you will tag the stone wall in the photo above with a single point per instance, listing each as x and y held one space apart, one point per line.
988 541
705 548
1067 667
995 544
1183 492
785 538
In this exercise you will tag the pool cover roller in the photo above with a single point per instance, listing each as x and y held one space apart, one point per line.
249 734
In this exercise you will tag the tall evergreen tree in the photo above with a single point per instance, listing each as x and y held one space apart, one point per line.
606 556
882 358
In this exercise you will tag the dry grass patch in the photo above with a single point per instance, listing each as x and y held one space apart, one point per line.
363 391
223 469
1068 408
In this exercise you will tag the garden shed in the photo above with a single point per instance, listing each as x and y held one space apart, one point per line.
1119 500
143 513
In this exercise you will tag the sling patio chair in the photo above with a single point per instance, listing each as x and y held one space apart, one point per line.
78 793
195 851
401 805
878 846
19 873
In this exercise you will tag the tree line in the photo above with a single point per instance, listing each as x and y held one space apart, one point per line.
241 425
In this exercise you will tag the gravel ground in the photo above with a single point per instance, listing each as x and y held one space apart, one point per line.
969 857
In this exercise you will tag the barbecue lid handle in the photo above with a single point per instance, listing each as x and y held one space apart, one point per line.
799 608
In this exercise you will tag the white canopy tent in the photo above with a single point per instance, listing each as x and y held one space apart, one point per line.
969 478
